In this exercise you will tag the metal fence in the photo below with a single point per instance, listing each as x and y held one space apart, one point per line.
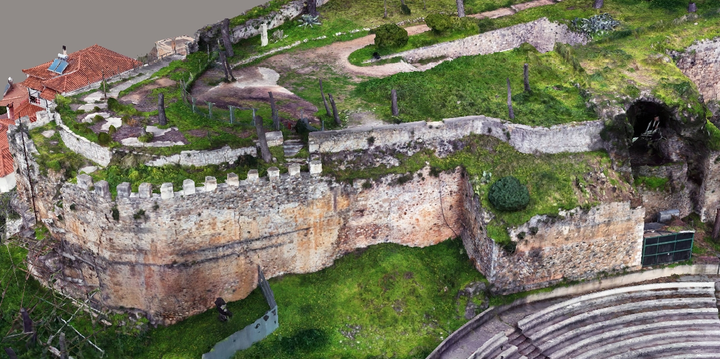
668 248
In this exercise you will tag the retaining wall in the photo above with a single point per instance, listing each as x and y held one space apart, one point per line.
203 158
82 145
541 33
575 137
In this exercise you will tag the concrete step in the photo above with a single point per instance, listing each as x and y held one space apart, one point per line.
691 356
711 350
629 348
507 352
575 347
561 312
489 346
527 322
575 329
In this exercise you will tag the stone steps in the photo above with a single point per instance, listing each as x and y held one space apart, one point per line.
292 147
631 348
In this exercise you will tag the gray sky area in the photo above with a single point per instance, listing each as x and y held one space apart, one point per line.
34 32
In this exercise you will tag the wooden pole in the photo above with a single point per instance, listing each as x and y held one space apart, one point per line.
327 110
335 113
393 96
716 227
275 117
526 78
509 101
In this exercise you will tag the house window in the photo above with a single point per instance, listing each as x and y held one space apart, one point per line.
34 99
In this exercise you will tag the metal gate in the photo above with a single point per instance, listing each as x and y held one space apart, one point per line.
668 248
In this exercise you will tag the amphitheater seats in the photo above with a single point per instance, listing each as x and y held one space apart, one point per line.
662 320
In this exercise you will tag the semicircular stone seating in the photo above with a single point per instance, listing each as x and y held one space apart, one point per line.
661 320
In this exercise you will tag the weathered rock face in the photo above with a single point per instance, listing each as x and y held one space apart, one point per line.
701 63
176 257
709 193
675 195
577 245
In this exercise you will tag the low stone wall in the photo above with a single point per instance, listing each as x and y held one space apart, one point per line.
83 146
575 137
701 63
252 27
541 33
204 158
577 245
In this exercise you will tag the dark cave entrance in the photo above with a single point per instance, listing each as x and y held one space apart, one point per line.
649 121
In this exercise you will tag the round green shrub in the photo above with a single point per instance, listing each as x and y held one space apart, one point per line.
405 9
112 130
114 105
390 35
98 118
508 194
439 22
104 139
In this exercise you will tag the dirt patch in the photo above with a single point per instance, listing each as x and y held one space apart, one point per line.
198 133
140 98
172 136
253 84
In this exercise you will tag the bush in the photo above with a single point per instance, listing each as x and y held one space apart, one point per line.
390 35
98 118
104 139
439 22
146 137
405 9
508 194
114 105
112 130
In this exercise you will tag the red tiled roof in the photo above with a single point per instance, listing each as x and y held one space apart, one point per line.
15 95
28 109
33 83
48 94
6 161
84 67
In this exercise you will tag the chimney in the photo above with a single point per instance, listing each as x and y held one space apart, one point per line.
64 50
10 81
64 54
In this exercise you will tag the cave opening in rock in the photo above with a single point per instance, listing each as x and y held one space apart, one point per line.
649 121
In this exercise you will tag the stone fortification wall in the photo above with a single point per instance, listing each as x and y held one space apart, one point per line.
701 63
203 158
575 137
541 33
83 146
576 245
191 246
252 27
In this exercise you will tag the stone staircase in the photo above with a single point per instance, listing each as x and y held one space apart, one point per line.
663 320
291 147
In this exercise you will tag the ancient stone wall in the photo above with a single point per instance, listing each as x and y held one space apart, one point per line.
203 158
171 254
701 63
576 245
574 137
83 146
541 33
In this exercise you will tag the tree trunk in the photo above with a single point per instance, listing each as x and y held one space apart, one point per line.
460 8
716 227
526 79
161 109
598 4
275 117
228 68
312 7
394 108
385 16
327 110
225 32
509 102
335 113
692 7
223 61
10 353
262 141
424 7
402 2
63 347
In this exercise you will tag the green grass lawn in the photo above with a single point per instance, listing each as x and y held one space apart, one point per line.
400 302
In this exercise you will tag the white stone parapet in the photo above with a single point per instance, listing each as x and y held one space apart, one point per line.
166 191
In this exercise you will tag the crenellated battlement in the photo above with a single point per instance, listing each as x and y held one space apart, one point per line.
101 189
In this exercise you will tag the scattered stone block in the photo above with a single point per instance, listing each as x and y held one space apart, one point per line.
274 138
88 169
166 191
232 180
84 181
145 190
294 169
263 35
210 184
666 216
123 190
252 176
273 174
48 133
315 167
102 190
188 187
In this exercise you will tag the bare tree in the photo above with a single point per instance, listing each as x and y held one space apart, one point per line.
275 117
11 353
460 8
161 109
312 7
225 33
262 141
393 97
327 110
598 4
335 113
692 7
223 59
385 16
509 101
63 347
526 79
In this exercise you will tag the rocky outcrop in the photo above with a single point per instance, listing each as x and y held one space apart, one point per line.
701 63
